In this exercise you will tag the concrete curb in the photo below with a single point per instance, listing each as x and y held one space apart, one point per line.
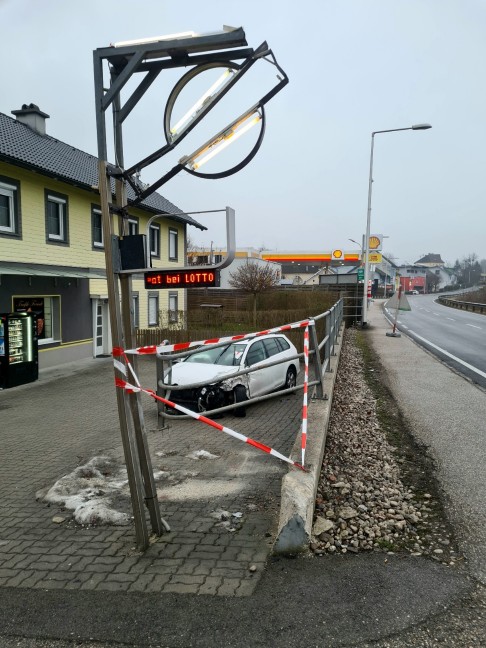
299 488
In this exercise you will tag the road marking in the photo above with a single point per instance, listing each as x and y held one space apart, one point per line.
435 313
449 355
451 318
473 325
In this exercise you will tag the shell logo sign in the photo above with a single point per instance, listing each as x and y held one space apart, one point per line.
338 255
375 241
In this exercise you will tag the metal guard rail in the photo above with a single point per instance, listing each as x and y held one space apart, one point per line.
333 319
463 305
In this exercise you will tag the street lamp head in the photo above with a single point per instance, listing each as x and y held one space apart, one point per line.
421 126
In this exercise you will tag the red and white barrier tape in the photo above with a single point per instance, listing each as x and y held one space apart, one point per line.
183 346
199 417
118 352
306 383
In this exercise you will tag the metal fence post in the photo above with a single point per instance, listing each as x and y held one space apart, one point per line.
317 361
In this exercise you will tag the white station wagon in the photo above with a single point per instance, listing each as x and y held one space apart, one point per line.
215 367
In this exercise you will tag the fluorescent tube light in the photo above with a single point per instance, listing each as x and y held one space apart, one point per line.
231 135
155 39
200 103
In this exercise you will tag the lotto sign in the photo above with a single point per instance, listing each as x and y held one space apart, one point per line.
182 279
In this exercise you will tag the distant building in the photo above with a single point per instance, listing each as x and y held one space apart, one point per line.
430 261
243 256
413 278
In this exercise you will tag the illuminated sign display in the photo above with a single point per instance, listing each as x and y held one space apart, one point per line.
182 279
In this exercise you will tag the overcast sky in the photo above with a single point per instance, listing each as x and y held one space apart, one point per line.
355 66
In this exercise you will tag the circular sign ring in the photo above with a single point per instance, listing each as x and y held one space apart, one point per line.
177 89
181 84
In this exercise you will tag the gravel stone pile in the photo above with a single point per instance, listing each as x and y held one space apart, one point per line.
362 502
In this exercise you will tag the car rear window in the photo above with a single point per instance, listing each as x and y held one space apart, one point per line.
271 346
283 344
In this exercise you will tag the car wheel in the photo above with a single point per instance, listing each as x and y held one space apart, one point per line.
240 397
290 378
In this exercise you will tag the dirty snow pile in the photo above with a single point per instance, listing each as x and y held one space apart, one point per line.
89 492
361 503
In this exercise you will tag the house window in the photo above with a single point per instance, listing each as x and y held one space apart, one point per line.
9 207
173 308
153 309
135 310
132 226
96 228
56 218
154 234
173 244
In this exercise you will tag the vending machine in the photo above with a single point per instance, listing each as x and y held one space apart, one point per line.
19 358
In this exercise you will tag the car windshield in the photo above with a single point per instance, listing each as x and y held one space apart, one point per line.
228 356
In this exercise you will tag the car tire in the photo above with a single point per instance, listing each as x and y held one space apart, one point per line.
240 397
290 378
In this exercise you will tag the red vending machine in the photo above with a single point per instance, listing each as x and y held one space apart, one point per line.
19 357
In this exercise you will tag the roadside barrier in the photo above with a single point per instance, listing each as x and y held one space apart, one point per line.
132 389
184 346
306 383
333 319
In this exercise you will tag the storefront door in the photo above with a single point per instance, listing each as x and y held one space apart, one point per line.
101 328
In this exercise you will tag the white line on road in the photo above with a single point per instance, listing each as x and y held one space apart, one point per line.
449 355
473 325
451 318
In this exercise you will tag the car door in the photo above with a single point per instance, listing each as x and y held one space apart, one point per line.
276 374
258 380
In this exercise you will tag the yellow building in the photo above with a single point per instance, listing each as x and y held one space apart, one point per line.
52 257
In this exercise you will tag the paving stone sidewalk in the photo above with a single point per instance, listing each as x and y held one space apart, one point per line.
50 427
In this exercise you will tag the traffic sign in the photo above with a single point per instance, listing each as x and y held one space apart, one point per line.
360 274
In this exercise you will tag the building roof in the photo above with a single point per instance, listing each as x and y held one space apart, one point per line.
23 146
430 258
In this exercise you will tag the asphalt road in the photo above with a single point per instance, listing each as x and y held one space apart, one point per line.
457 337
447 413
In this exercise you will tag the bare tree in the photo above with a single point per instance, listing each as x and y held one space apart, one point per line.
254 278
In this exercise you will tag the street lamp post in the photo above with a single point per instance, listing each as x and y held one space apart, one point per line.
366 246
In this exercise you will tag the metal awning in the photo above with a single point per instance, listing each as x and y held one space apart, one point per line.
40 270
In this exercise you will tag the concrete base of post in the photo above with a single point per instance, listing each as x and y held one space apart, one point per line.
299 488
391 334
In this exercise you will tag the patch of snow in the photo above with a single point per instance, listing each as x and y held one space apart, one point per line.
202 454
87 491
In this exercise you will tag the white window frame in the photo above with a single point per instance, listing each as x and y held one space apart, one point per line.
132 226
173 244
10 192
96 211
153 302
154 235
62 204
136 310
173 310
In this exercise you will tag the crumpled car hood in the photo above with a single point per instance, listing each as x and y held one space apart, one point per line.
187 373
